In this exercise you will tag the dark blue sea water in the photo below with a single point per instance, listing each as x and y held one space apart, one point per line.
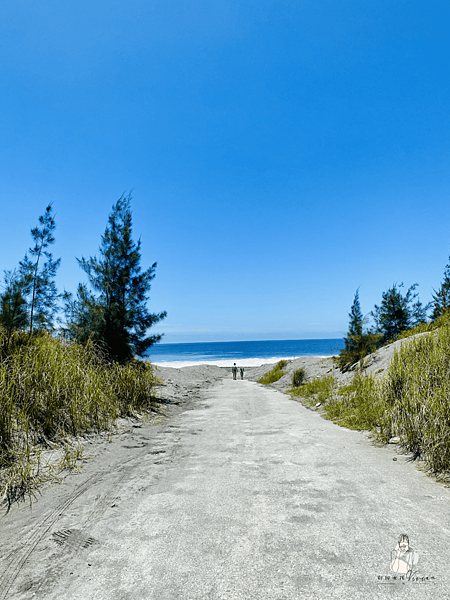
248 353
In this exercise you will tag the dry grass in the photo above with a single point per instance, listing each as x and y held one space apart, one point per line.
417 394
50 390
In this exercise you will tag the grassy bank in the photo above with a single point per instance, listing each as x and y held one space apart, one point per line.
50 390
412 401
274 374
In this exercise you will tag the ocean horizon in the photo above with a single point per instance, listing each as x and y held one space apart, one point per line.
247 354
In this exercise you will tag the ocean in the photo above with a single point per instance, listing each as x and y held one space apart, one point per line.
247 354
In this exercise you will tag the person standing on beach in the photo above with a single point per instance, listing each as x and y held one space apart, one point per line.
234 369
242 372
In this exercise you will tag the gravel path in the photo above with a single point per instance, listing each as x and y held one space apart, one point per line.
242 493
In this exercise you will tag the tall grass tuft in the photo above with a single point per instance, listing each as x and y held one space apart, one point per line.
49 390
317 390
412 402
417 394
358 405
274 374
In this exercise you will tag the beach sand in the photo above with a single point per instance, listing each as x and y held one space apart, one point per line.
186 381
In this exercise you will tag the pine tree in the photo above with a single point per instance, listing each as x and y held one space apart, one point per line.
355 327
118 315
84 316
358 342
398 313
38 277
441 298
13 306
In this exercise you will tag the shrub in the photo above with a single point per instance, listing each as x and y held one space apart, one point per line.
275 374
298 377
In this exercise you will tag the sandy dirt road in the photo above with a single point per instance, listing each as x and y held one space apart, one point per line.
246 495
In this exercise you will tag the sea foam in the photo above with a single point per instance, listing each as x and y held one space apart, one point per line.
243 362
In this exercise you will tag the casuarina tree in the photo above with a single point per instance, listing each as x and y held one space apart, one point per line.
355 326
441 298
116 311
38 273
13 306
358 342
84 316
398 313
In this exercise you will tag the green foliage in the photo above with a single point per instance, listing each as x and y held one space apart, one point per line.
441 298
358 405
317 390
358 343
411 401
38 278
117 317
416 391
421 328
398 313
355 327
442 321
84 316
298 377
275 374
13 306
50 389
364 345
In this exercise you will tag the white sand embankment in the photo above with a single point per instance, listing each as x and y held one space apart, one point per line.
190 377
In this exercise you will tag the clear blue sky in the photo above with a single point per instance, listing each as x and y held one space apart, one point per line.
281 153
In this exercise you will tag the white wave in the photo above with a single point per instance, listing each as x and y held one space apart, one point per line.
243 362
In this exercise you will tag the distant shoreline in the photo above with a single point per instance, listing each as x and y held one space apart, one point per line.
250 354
251 341
242 362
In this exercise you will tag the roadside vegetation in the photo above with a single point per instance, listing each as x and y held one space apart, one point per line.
315 391
50 392
398 316
60 380
417 393
411 402
358 405
274 374
298 377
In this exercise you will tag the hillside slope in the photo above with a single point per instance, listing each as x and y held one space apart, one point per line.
314 366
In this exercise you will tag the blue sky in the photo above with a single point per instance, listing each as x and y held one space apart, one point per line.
280 153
